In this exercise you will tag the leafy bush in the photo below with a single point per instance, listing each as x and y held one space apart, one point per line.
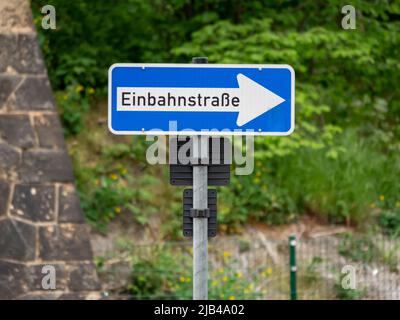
106 201
254 198
73 104
348 294
389 220
311 274
159 277
389 215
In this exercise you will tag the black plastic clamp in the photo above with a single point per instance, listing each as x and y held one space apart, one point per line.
199 213
200 162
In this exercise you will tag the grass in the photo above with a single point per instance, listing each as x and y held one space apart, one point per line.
344 187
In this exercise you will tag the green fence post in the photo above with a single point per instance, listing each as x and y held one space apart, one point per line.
293 267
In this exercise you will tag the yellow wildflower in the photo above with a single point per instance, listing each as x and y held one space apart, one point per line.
231 298
225 279
91 90
117 209
239 275
79 88
373 205
214 283
182 279
188 279
268 271
221 270
227 254
113 176
397 204
382 197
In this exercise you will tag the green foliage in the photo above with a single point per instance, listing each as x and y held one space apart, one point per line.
105 201
389 215
91 35
152 277
341 185
73 104
348 294
389 220
344 153
165 273
311 274
135 150
108 188
359 248
254 198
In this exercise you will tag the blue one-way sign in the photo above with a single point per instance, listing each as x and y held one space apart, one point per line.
205 99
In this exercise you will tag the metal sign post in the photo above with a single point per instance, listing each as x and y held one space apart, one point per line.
200 214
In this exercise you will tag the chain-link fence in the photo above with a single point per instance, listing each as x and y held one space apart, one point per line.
329 267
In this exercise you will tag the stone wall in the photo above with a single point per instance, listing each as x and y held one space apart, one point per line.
41 222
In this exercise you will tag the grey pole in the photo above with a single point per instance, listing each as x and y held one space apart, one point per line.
200 225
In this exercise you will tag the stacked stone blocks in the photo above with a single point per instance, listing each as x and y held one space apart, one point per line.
41 222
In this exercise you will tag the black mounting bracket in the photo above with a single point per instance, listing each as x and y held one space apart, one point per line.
217 166
189 213
199 213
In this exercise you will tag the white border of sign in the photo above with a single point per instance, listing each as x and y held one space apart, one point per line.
206 133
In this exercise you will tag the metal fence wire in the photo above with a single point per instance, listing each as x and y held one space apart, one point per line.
330 267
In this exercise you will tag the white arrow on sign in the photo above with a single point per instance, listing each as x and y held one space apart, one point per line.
252 99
